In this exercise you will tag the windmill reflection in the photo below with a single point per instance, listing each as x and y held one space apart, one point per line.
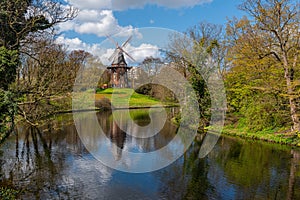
117 137
124 133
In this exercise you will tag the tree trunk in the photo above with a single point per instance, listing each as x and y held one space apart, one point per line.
293 108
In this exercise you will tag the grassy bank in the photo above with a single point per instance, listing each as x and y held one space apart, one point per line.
123 95
270 135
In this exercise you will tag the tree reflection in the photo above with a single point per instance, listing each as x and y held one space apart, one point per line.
295 162
187 178
198 186
51 162
259 170
38 162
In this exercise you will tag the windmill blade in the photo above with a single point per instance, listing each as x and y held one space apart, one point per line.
112 40
126 42
118 48
121 49
113 55
131 58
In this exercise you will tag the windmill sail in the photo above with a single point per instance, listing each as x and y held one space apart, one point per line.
119 68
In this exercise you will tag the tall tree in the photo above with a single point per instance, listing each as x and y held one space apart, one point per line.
48 77
20 18
197 55
19 21
271 34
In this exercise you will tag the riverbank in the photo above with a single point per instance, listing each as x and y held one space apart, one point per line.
124 98
111 98
279 136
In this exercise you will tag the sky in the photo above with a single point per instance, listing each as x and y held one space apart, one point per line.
150 22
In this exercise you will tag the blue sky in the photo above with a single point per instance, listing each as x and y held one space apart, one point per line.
98 18
181 18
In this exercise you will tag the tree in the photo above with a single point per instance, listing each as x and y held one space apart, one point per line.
21 18
47 78
151 65
8 60
150 69
198 54
43 77
20 23
268 43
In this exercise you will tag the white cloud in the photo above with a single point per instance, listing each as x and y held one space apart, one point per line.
126 4
77 44
96 16
90 15
139 53
66 26
72 44
152 21
100 23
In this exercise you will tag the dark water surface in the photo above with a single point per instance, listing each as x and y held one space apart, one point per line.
52 163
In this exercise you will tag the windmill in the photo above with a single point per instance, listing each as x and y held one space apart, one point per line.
118 69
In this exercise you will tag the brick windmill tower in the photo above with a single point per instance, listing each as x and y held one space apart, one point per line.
118 69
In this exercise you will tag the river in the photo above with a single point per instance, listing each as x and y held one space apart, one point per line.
52 162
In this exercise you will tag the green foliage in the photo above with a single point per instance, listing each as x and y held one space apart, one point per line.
8 109
9 61
99 90
200 87
263 112
261 82
275 135
8 193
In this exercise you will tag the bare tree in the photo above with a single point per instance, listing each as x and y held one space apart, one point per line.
20 18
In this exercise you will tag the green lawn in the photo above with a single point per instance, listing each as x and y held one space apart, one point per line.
122 96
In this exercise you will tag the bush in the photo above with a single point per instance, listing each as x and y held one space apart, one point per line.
262 112
157 91
103 103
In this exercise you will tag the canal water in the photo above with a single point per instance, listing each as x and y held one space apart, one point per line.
52 162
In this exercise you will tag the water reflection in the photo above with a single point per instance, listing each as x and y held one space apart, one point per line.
111 138
51 162
253 170
126 135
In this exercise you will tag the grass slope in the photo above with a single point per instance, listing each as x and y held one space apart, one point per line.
123 95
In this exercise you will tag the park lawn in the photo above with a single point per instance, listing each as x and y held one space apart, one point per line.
122 95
